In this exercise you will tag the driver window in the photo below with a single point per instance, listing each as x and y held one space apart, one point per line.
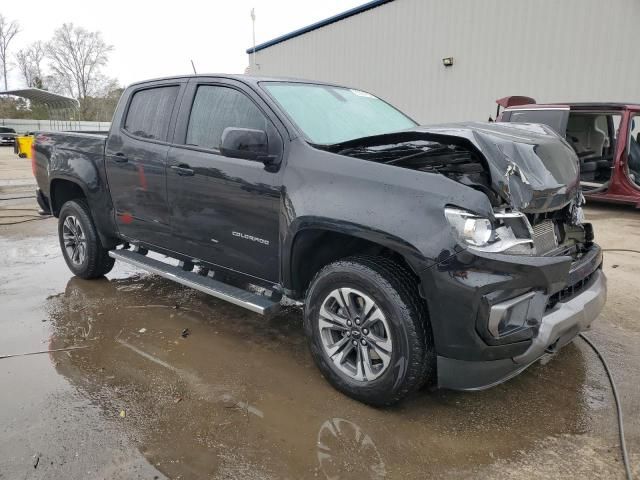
216 108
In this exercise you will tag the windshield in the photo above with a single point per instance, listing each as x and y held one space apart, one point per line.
329 115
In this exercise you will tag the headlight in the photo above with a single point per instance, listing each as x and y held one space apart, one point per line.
469 227
511 232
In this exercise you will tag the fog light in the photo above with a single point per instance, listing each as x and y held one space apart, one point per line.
509 315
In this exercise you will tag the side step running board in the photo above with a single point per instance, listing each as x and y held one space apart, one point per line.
237 296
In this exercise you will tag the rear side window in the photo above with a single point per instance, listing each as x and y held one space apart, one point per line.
555 119
216 108
150 112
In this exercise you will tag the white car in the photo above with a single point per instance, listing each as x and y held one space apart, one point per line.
7 136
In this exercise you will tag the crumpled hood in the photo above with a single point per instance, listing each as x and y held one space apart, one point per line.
532 168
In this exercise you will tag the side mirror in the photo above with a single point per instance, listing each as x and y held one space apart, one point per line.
245 143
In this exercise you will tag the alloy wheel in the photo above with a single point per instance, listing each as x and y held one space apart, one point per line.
355 334
75 242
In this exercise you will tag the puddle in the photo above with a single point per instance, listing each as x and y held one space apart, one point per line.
246 384
240 397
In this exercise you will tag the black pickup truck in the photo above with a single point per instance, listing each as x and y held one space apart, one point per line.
451 256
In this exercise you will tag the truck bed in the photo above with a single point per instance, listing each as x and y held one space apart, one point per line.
57 148
66 154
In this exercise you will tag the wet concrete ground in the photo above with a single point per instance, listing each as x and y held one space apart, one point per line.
240 397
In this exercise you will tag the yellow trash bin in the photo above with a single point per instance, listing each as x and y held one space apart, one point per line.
24 143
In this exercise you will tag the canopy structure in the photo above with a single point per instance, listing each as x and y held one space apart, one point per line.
62 110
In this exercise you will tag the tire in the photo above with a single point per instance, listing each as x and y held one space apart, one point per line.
399 318
80 243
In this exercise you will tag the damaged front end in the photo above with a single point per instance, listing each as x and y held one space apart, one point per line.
529 174
528 277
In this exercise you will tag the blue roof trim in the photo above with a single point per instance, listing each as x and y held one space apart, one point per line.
320 24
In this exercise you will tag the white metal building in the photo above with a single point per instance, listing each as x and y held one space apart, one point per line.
552 50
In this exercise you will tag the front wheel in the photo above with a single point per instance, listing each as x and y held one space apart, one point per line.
368 329
80 242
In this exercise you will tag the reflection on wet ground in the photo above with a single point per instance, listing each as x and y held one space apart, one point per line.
240 394
239 397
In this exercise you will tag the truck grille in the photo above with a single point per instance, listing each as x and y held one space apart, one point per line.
544 237
568 292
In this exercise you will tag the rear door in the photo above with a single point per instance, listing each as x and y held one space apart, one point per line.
135 158
224 211
556 117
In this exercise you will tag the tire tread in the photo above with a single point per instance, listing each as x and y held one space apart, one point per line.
99 262
421 368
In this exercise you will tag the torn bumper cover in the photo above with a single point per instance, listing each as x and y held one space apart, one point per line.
515 325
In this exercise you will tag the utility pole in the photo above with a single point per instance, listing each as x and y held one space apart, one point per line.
253 21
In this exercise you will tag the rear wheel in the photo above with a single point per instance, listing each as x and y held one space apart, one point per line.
368 329
80 243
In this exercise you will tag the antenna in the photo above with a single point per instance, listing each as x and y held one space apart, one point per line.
194 67
253 21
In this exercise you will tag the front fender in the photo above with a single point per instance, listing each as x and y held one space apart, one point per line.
399 208
411 254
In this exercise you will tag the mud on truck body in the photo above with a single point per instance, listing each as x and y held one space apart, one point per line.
452 256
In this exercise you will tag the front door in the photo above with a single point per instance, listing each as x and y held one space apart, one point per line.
135 156
224 211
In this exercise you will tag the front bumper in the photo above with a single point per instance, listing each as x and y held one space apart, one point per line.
494 315
557 328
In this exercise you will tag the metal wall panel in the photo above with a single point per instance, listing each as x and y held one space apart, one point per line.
552 50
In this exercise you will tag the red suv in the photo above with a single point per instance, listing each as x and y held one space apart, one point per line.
606 137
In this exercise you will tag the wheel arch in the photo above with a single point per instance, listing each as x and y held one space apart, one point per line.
61 190
318 243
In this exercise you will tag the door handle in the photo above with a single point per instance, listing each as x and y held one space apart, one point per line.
183 169
120 158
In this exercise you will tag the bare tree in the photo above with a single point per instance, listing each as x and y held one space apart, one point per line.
8 30
29 61
77 57
101 108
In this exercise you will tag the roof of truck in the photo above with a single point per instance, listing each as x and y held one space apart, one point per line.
235 76
247 79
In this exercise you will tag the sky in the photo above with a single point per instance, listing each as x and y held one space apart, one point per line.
159 38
